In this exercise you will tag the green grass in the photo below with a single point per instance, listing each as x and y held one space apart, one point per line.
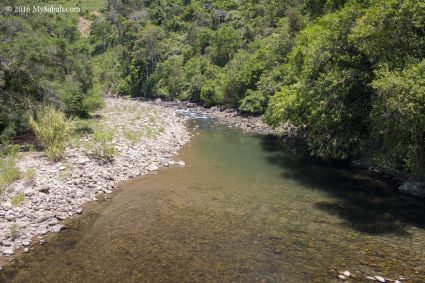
54 130
8 172
132 135
92 5
17 199
14 231
101 144
29 173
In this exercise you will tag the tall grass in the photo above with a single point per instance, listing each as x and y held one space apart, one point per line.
53 129
8 171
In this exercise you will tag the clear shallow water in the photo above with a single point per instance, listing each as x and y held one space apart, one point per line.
244 209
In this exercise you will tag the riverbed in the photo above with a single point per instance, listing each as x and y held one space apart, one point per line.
245 208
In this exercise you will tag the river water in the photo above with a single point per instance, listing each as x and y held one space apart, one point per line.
244 209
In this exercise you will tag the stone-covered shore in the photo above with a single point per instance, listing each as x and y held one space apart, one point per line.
146 137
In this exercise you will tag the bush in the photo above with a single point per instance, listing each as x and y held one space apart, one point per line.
210 93
53 130
102 146
254 102
398 119
8 172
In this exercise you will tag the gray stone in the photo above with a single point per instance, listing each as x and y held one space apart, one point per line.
42 218
6 243
44 190
42 230
26 250
10 215
7 206
26 243
62 215
57 228
413 188
30 184
8 251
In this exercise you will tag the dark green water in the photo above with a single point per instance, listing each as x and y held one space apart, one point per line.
244 209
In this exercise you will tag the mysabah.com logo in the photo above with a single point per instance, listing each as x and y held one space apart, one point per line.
42 9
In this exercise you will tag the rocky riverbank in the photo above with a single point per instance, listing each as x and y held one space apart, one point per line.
226 116
144 138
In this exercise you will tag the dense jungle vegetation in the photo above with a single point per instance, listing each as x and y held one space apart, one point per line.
350 73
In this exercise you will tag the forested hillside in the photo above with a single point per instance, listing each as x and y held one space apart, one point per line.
351 74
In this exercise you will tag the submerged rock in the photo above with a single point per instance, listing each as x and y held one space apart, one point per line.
413 188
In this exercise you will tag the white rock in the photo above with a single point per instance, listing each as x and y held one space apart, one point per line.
8 251
26 250
380 279
346 273
7 206
342 277
42 230
9 215
181 163
57 228
370 278
26 243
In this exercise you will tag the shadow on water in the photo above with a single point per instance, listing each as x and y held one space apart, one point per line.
367 202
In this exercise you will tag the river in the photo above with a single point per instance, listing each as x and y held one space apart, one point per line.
245 208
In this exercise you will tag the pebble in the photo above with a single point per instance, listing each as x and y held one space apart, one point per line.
181 163
26 250
26 243
8 251
57 228
9 216
380 279
346 273
342 277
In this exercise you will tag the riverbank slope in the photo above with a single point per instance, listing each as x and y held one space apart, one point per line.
126 139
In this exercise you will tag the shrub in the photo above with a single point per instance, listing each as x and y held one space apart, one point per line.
254 102
8 172
29 174
102 146
53 129
14 231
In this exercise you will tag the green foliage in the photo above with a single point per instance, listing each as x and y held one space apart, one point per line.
392 32
8 171
398 118
225 42
53 130
14 231
29 174
43 61
254 102
330 87
102 145
17 199
210 93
